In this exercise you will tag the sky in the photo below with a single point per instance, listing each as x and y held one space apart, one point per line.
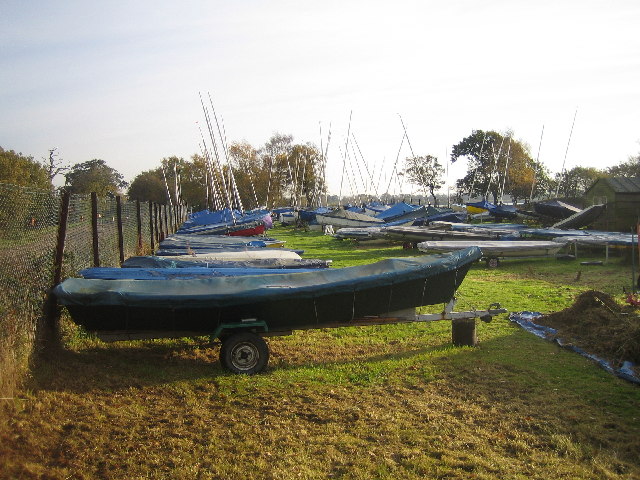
120 80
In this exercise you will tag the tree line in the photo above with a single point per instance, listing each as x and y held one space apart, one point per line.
282 172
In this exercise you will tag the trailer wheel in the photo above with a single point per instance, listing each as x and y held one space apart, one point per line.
244 353
493 262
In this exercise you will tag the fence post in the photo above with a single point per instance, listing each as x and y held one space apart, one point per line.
166 221
139 227
120 233
155 221
153 245
94 229
52 315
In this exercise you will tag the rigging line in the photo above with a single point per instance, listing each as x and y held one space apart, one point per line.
366 166
349 177
380 177
232 180
166 185
475 174
355 155
226 154
217 160
407 135
495 164
226 146
345 158
317 196
533 183
175 180
353 187
218 203
207 170
566 152
395 165
506 166
207 200
324 168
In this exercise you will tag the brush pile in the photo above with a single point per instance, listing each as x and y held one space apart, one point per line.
599 325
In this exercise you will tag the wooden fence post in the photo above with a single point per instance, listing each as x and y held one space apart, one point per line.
94 229
52 316
155 221
139 227
166 221
120 232
153 245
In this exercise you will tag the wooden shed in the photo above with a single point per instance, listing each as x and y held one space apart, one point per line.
622 197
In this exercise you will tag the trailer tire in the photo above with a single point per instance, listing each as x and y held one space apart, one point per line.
244 353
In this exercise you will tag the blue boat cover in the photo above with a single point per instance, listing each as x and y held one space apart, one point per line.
396 210
481 204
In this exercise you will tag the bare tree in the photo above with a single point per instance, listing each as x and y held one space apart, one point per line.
54 165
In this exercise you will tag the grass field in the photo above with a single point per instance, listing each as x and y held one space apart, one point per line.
389 402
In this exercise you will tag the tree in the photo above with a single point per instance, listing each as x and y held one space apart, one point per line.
426 172
54 165
94 176
628 168
251 177
148 187
18 169
273 156
576 181
497 165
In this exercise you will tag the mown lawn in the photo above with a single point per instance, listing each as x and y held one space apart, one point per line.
357 403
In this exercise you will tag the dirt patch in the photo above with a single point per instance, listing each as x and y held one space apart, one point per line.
599 325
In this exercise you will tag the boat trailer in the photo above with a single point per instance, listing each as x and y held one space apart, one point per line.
244 350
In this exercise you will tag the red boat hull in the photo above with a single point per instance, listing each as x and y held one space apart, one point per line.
248 232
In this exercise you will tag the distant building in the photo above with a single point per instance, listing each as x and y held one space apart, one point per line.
622 197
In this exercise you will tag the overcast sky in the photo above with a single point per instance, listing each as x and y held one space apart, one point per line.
119 80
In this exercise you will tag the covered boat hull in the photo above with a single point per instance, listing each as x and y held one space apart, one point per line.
498 248
283 303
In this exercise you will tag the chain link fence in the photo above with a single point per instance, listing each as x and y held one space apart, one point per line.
28 226
29 221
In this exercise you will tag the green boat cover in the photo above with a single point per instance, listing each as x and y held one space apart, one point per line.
283 301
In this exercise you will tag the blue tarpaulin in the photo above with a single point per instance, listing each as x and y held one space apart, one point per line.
527 321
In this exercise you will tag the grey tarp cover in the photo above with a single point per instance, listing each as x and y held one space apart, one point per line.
164 262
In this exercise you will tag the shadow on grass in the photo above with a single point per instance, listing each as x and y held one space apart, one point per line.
511 359
116 367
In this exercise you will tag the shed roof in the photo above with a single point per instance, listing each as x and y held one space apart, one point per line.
620 184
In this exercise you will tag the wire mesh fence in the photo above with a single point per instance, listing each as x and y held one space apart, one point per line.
99 231
28 221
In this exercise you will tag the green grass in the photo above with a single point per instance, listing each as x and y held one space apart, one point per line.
392 401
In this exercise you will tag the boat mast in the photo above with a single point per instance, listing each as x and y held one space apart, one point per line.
217 160
495 165
506 166
395 165
166 185
533 183
366 166
232 178
475 174
344 161
216 197
566 152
